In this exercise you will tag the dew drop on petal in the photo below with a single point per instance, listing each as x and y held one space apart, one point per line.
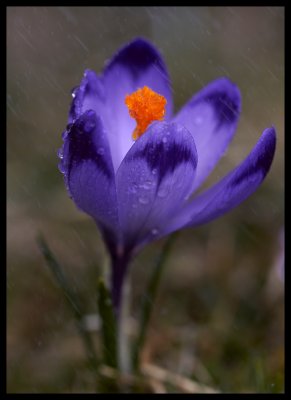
146 185
61 167
65 135
89 126
143 200
100 151
133 188
74 91
165 139
91 114
155 231
61 153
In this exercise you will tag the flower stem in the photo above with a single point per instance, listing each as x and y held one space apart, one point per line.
109 329
149 298
120 299
118 272
124 359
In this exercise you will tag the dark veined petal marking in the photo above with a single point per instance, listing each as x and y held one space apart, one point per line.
88 170
165 162
233 189
154 179
227 109
211 116
83 147
260 161
136 57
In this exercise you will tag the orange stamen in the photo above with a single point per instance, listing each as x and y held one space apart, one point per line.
145 106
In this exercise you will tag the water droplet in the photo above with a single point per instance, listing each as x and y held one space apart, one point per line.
61 153
133 188
65 135
154 171
146 185
74 91
143 200
165 139
100 151
91 114
89 126
61 167
155 231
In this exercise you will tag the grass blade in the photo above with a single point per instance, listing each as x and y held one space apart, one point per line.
71 298
59 275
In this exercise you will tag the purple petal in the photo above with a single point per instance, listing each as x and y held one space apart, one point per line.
88 96
232 189
153 180
132 67
88 170
211 116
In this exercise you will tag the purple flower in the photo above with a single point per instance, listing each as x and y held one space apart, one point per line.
139 191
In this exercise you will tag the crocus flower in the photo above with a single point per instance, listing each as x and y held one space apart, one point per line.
136 179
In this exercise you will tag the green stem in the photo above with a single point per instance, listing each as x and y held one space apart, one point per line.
71 298
149 298
124 360
109 328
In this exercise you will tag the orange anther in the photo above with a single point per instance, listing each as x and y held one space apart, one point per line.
145 106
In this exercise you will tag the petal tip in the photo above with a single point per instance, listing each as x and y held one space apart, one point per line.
270 139
232 96
260 159
224 97
232 88
86 94
140 53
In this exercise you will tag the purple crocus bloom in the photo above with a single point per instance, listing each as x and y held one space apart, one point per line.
139 191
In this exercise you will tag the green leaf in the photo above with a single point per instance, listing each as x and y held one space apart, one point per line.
148 300
59 275
109 325
71 298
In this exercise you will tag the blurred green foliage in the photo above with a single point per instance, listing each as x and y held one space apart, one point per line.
219 316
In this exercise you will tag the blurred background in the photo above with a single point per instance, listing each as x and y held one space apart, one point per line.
219 316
